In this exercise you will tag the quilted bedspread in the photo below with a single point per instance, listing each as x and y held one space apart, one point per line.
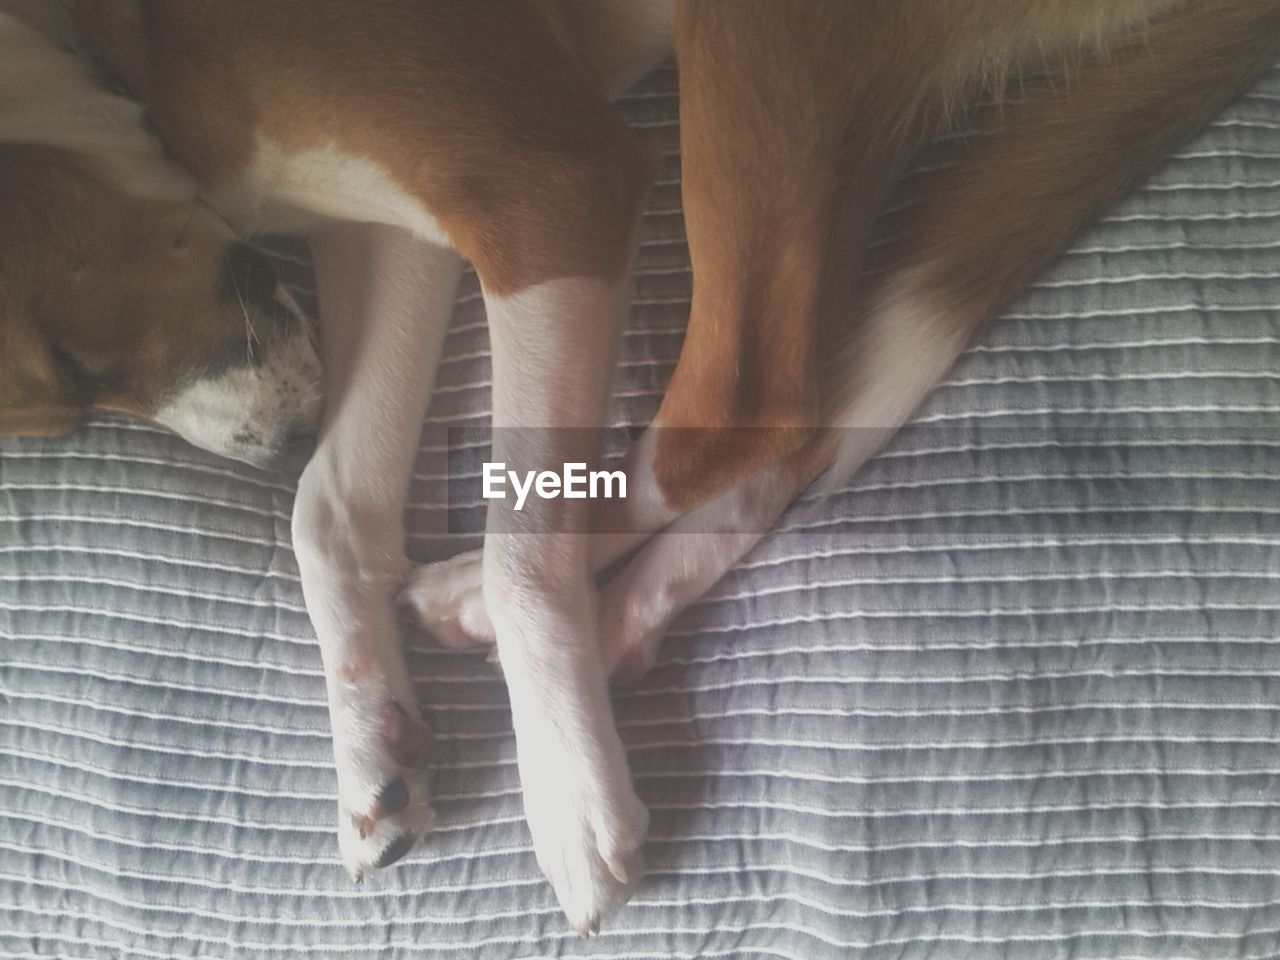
1015 693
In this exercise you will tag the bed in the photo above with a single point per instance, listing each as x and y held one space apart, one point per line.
1015 693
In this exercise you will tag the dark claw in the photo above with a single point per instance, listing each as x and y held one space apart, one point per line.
393 798
395 850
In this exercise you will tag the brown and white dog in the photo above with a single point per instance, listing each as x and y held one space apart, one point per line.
403 135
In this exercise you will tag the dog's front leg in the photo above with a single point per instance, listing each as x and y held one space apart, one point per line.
385 301
552 357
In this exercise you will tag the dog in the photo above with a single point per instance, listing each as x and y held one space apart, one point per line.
141 141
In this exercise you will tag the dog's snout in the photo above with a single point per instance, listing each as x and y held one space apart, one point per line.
246 277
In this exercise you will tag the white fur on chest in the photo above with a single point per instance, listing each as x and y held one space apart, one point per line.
289 192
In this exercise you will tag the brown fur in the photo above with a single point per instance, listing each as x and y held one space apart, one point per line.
798 119
104 299
797 126
473 108
1011 203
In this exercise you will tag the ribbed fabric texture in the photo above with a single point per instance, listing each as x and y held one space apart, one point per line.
1015 694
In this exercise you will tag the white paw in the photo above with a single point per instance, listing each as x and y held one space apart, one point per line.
380 746
369 844
587 838
448 600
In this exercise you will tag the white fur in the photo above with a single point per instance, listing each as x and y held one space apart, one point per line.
289 192
385 300
910 345
673 570
247 412
586 821
358 708
625 524
385 282
588 316
385 297
47 97
448 600
683 562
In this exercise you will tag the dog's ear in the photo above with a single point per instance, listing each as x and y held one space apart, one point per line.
40 393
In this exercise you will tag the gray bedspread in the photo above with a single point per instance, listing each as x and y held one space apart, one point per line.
1013 694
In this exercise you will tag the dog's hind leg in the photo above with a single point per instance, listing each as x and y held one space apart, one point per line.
1001 214
986 227
796 121
385 301
1014 201
678 566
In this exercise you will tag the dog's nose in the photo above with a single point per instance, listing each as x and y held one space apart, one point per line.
246 278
